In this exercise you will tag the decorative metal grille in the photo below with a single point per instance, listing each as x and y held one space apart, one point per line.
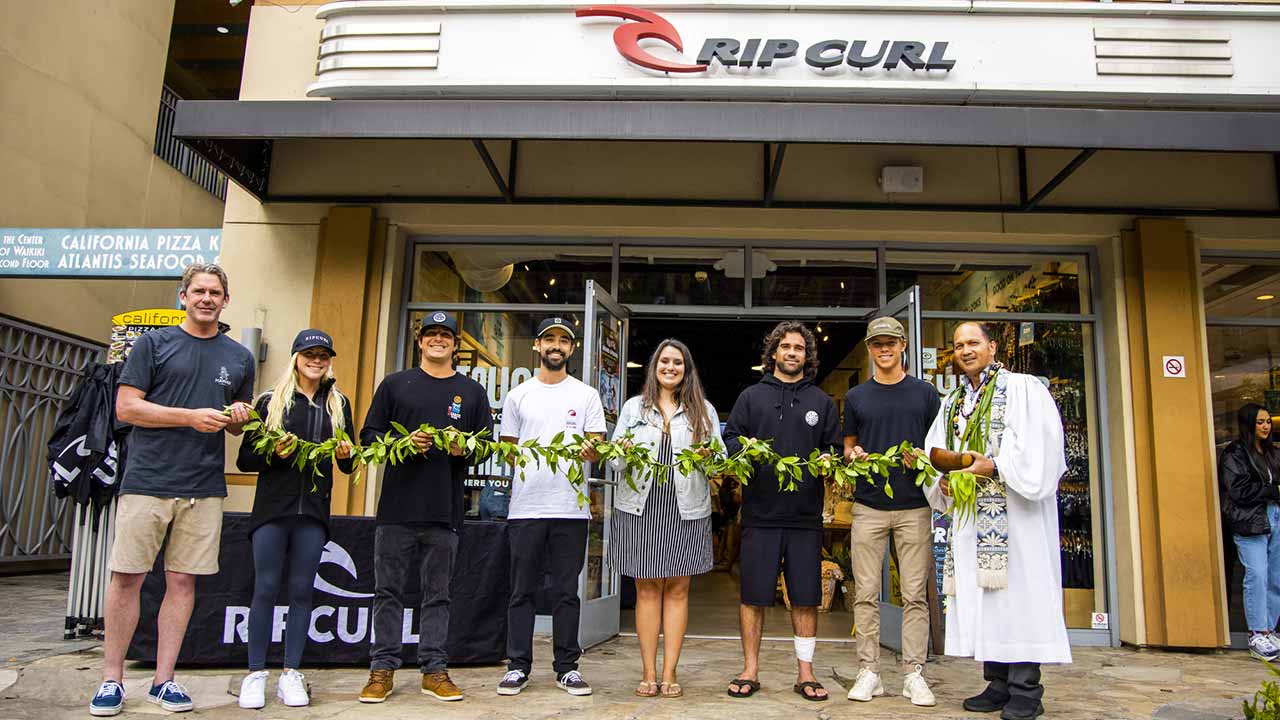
38 370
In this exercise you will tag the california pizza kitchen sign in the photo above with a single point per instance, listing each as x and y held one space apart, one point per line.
759 54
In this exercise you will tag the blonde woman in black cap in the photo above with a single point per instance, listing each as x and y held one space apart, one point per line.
289 525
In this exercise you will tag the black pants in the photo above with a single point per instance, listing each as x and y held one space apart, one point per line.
557 546
396 549
1016 679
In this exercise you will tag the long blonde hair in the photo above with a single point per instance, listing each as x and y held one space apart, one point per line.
287 385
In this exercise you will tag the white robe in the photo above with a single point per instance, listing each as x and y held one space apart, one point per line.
1023 623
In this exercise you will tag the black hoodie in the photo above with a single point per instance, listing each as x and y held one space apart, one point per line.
282 490
797 417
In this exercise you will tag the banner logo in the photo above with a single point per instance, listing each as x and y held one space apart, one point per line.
335 554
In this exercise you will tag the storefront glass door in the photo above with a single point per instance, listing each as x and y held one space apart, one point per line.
604 367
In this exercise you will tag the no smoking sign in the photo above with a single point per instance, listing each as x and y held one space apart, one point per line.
1175 366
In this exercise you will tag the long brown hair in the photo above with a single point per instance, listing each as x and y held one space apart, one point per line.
780 331
689 393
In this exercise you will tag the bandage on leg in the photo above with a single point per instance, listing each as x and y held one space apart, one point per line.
805 647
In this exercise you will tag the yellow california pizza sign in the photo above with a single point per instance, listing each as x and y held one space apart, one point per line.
157 317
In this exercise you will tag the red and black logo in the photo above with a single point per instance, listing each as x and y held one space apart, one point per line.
762 52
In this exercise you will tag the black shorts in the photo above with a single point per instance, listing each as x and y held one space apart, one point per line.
795 552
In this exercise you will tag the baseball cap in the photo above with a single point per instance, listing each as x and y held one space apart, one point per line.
556 322
312 338
886 326
438 318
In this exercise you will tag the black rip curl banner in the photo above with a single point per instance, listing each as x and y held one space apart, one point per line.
342 617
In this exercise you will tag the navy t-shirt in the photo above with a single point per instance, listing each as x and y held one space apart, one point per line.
176 369
882 416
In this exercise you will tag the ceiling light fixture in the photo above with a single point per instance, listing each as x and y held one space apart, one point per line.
826 338
758 368
841 284
223 29
633 365
1265 296
552 282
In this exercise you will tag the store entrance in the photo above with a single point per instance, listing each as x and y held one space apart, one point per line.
727 354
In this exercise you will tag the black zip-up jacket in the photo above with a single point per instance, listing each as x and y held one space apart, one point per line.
797 417
1247 489
282 490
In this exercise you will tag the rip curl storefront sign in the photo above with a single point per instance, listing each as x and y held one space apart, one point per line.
758 52
481 50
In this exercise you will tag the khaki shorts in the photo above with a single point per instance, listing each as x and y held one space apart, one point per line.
194 526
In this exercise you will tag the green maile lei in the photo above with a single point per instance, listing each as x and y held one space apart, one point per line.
964 484
563 451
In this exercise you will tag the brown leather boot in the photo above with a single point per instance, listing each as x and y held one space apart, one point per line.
378 687
439 686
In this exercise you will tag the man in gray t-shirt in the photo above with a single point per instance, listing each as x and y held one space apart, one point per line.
173 391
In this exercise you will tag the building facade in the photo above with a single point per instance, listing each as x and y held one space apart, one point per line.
1096 179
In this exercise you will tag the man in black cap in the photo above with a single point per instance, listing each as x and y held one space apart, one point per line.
546 525
421 507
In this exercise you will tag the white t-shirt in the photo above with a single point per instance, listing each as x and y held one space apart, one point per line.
535 409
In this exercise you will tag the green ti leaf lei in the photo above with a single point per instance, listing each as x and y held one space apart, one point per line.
565 452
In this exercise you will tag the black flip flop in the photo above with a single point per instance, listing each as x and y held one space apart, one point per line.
747 688
811 685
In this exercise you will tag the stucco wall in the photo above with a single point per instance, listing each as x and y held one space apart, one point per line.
81 83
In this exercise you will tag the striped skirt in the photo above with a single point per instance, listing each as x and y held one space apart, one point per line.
659 544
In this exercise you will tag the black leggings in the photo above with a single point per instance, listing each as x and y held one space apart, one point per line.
301 540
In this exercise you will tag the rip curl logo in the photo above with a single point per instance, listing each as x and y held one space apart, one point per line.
647 25
224 378
764 53
455 408
335 554
811 418
439 317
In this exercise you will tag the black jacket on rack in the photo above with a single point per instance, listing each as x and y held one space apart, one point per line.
86 450
282 489
1248 483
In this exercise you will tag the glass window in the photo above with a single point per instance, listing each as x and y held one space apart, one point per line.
991 282
1061 355
1236 288
535 273
680 276
496 350
1244 365
813 278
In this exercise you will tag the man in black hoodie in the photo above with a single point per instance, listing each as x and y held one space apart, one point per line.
782 530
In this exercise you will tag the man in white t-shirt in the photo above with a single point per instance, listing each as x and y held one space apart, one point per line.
546 525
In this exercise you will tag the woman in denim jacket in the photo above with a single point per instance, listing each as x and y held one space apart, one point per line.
662 530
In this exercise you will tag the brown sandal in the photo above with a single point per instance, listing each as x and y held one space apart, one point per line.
671 690
815 687
647 689
746 688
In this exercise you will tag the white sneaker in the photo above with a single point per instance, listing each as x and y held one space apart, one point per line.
915 689
867 686
1263 647
253 690
292 689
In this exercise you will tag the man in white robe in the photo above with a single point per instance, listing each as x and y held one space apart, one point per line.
1004 594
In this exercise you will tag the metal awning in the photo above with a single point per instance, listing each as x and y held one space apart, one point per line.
237 136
